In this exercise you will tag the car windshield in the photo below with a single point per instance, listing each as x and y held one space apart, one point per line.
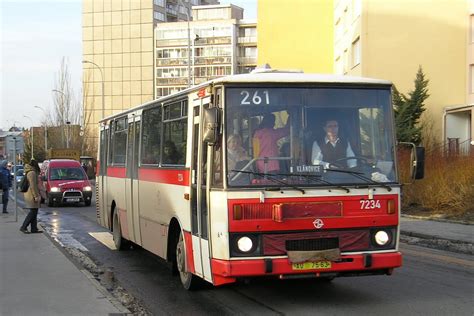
309 136
67 174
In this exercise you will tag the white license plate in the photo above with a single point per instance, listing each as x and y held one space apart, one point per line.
73 200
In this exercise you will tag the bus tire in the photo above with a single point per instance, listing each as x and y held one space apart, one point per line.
120 242
188 280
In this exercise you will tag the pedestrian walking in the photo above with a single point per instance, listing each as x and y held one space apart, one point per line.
5 184
32 198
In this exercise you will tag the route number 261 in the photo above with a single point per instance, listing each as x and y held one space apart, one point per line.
369 204
257 98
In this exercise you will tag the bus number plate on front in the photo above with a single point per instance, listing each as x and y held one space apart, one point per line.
312 265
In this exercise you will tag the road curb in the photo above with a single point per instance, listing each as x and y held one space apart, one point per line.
436 242
437 219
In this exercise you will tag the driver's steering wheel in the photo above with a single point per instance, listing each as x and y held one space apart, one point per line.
337 162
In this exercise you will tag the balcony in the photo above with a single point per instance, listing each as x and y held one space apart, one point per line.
171 62
247 60
212 40
171 81
172 42
247 40
212 60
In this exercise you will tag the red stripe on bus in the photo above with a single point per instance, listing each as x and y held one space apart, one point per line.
116 172
188 243
168 176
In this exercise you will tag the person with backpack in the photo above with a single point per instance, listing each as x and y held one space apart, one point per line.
32 198
5 184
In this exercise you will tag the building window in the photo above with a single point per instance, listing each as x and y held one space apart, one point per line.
472 28
159 16
471 69
160 3
356 52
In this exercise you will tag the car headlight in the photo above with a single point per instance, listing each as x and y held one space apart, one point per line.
87 188
55 189
381 238
244 244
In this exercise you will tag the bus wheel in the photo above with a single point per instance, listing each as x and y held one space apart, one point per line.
189 280
120 242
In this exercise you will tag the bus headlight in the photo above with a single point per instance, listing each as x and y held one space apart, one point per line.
87 188
381 238
244 244
55 189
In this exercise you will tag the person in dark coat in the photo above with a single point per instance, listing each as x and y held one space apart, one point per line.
332 147
32 198
5 184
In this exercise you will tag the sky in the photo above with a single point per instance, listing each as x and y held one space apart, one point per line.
35 35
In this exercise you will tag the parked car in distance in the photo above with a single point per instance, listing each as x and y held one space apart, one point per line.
65 182
20 173
14 169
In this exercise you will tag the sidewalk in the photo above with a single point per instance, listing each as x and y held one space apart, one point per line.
442 235
36 278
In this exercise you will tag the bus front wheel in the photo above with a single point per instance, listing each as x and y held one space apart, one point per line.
120 242
189 280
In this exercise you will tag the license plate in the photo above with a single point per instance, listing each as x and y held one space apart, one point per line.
73 200
312 265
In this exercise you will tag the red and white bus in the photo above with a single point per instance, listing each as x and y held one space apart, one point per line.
167 181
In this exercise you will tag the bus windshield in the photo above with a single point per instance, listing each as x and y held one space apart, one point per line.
319 136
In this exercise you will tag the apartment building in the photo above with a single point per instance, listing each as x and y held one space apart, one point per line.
296 34
391 39
220 41
118 52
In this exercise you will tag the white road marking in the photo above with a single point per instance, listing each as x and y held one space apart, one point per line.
105 238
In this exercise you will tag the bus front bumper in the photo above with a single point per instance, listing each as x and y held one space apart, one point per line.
228 271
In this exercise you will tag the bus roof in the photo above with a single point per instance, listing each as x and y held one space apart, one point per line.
269 76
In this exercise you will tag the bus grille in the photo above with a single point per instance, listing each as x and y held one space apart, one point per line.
312 244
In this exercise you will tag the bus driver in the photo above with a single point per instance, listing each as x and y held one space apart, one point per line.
332 147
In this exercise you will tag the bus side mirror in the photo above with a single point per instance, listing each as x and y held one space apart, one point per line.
419 163
211 125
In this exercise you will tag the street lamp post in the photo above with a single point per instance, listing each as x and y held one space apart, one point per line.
189 42
102 77
32 137
67 131
45 130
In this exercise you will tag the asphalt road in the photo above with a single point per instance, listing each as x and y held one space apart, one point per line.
431 282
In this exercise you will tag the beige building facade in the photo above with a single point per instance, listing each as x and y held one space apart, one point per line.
391 39
118 52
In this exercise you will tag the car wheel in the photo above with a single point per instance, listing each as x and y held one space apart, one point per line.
50 201
87 203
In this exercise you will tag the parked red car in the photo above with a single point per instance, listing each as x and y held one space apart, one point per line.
65 182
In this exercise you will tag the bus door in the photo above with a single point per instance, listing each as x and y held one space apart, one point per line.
101 192
131 180
199 207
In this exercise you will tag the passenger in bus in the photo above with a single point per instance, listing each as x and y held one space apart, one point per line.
235 151
332 147
265 144
170 153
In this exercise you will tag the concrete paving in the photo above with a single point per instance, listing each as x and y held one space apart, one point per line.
36 278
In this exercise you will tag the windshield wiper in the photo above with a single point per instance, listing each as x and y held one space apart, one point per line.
318 179
362 176
272 178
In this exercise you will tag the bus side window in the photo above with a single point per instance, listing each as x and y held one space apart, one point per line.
151 139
